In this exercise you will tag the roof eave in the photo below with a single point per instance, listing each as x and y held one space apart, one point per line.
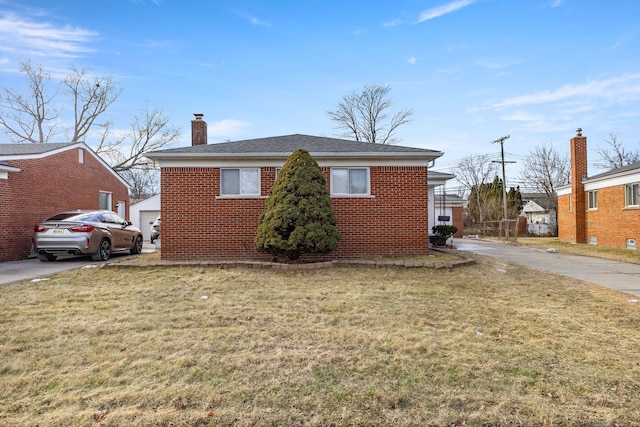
283 155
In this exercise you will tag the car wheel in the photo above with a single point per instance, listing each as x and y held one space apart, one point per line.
137 247
104 251
46 257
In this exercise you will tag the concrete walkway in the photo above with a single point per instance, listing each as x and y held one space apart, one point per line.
617 275
33 268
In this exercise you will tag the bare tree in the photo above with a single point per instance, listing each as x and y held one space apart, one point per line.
545 169
33 116
473 172
91 97
364 116
30 117
150 130
143 182
616 155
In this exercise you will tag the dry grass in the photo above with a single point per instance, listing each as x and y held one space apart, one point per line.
488 344
624 255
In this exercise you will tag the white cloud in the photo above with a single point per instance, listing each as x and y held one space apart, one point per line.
497 65
392 23
21 36
227 127
621 88
412 60
360 31
437 11
257 22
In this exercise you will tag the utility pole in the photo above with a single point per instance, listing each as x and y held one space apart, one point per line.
504 184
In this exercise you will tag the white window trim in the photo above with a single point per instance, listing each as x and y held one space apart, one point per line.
242 195
366 194
109 196
627 189
589 200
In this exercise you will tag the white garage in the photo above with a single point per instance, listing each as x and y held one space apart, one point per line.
145 212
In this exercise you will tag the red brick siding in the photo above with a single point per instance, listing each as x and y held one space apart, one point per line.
611 223
198 224
578 147
5 216
48 185
457 219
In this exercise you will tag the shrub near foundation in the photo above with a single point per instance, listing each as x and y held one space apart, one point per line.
298 217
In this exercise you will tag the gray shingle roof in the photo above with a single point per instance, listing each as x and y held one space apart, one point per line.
631 167
285 145
29 148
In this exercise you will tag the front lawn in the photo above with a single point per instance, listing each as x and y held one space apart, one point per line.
491 343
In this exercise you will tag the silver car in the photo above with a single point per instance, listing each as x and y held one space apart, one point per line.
95 233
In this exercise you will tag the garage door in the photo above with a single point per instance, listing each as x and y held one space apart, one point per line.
145 218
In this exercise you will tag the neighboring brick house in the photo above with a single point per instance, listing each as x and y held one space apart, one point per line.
213 194
39 180
603 209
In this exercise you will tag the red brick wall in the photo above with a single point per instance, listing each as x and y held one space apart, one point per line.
457 219
5 216
49 185
198 225
566 220
611 223
578 147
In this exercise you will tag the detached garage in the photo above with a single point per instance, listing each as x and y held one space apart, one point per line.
143 213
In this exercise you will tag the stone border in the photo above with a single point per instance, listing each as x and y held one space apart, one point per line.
224 264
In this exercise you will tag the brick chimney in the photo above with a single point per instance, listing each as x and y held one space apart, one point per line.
198 130
578 149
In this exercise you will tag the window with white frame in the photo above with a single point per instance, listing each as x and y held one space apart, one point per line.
350 181
240 182
593 199
104 200
631 195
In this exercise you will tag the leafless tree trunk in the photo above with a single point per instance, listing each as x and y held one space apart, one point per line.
616 155
91 97
364 116
30 117
545 169
151 130
473 171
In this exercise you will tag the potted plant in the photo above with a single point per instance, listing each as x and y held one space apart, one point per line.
442 233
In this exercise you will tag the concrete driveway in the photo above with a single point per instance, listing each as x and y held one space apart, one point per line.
617 275
33 268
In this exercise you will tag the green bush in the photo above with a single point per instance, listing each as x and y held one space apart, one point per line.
444 230
298 217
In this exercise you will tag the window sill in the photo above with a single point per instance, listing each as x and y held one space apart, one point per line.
240 196
352 196
631 208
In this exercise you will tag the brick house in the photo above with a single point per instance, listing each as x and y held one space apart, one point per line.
213 194
39 180
603 209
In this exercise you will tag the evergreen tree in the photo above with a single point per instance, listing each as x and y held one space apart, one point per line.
492 208
298 217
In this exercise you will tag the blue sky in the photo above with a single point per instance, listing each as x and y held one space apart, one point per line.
472 70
